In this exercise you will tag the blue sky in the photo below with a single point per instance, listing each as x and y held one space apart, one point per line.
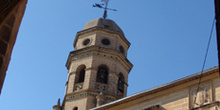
168 41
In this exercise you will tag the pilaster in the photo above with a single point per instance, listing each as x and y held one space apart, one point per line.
90 78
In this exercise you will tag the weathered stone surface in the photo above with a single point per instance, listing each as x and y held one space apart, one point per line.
176 95
92 52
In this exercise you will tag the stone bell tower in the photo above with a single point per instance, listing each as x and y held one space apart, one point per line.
98 68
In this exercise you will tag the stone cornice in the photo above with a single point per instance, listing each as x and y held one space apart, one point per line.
79 94
94 50
73 72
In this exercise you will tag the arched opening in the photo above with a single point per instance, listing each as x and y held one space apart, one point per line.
102 74
121 82
80 74
75 108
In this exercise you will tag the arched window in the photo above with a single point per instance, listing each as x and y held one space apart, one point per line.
75 108
121 82
80 74
102 75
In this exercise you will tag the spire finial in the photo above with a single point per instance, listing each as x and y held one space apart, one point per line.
58 102
104 6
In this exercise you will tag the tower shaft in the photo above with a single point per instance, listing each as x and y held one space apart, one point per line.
98 68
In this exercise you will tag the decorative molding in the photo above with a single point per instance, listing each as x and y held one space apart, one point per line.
89 94
71 73
98 51
110 98
203 96
208 105
101 87
101 55
80 95
100 29
78 87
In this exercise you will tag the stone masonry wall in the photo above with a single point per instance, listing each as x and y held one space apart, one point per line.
180 97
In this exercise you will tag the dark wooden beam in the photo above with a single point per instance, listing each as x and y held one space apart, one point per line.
217 17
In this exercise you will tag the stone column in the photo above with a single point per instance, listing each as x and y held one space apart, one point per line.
71 82
112 84
90 78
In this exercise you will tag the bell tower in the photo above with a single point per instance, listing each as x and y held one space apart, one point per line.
98 68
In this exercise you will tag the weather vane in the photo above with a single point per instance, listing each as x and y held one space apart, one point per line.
104 6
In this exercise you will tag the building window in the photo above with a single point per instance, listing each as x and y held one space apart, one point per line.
121 82
105 41
81 75
86 42
102 75
121 49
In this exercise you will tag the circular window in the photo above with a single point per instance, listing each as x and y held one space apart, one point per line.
105 41
121 49
86 42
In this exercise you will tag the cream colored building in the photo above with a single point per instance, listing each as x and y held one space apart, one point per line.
176 95
98 74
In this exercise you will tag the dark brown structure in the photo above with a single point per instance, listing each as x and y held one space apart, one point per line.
11 14
217 17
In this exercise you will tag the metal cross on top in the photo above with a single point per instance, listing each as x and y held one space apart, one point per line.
104 6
